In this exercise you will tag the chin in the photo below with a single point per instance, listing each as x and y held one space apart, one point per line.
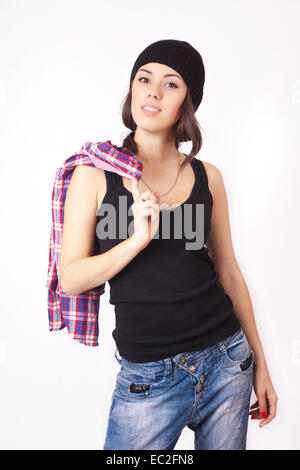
153 128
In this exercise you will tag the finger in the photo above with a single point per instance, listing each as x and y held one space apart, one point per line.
154 215
255 405
262 406
155 197
146 211
152 200
146 195
266 421
255 414
271 415
149 207
148 203
134 188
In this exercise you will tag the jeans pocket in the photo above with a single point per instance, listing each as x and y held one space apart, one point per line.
238 348
237 355
137 383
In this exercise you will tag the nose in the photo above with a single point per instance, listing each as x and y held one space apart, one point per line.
155 93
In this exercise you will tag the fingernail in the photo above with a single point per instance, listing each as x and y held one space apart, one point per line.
263 413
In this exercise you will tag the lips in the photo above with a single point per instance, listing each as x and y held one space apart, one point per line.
151 106
147 112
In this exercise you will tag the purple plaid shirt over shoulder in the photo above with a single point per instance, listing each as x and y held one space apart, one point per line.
80 313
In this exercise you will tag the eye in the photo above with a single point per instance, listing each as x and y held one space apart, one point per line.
144 78
175 86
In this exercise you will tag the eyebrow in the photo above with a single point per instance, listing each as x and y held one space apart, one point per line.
166 75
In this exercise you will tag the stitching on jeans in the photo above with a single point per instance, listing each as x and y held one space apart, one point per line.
230 338
242 416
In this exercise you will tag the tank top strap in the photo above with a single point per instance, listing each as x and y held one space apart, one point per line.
111 182
201 174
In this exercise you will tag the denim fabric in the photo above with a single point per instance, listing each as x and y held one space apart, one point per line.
208 391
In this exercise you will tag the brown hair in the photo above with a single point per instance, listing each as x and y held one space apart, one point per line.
186 128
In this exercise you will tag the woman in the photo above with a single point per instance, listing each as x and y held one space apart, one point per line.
185 330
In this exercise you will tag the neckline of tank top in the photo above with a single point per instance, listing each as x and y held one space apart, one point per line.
196 184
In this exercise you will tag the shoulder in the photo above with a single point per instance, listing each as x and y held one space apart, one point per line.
88 181
213 172
87 173
88 177
214 176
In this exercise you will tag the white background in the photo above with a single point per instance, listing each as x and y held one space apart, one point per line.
65 68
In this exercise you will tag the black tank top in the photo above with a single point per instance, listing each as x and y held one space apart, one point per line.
168 299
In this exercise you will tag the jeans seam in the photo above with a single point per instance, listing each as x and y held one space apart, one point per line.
241 420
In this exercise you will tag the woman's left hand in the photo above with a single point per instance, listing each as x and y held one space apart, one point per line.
265 407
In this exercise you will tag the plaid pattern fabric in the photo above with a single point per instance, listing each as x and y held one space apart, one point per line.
80 313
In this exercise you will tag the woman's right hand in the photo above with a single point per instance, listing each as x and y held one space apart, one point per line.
145 209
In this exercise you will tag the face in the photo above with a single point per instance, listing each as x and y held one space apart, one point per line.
159 86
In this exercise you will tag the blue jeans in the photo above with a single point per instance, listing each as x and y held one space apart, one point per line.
207 390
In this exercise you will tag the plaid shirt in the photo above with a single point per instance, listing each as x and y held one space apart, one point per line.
80 313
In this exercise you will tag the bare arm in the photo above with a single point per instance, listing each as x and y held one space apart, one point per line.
222 252
78 270
221 248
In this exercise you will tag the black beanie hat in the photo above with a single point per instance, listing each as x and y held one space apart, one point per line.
180 56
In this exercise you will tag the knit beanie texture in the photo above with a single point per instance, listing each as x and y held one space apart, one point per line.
180 56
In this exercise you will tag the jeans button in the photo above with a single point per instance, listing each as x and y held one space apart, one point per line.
199 388
202 378
192 368
182 361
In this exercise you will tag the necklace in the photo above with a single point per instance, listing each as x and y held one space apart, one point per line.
178 172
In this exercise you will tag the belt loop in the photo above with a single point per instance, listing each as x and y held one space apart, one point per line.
221 345
168 365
